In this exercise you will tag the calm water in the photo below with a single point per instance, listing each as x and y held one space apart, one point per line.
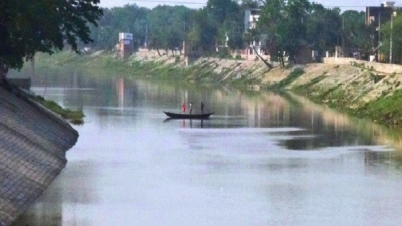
262 159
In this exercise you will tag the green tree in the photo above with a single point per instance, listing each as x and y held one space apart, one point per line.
27 27
129 18
222 10
168 26
249 4
227 18
324 28
204 32
284 24
355 33
396 39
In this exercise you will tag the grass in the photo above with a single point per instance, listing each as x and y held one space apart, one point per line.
75 117
304 89
296 73
384 110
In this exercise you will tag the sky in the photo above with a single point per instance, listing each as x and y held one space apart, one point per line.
343 4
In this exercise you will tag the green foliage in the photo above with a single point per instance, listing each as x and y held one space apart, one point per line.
323 27
284 24
129 18
316 80
28 27
396 39
355 33
168 26
384 109
76 117
205 32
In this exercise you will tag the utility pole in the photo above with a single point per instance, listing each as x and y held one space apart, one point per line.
184 44
343 34
146 36
390 41
379 34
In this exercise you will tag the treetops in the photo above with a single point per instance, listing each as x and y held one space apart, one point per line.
27 27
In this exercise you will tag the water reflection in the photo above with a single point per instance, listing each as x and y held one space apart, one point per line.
261 159
187 123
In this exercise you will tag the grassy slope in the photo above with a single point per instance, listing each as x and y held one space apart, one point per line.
354 90
350 88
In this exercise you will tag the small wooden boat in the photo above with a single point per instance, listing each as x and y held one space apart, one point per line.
188 116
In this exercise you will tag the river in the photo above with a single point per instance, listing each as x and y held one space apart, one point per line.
261 159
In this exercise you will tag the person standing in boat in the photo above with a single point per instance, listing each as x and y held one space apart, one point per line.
183 107
190 106
202 108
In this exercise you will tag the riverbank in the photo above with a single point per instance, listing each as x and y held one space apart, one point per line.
33 149
366 91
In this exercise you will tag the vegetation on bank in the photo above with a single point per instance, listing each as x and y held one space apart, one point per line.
335 94
204 72
296 73
383 110
75 117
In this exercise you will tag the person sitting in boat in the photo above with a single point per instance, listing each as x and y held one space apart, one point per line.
190 106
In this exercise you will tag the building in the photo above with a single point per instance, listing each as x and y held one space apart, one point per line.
250 18
379 14
375 16
125 47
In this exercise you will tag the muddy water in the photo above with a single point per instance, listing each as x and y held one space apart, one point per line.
261 159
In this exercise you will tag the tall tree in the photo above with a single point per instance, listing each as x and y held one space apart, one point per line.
324 28
355 33
284 23
129 18
221 10
167 26
204 32
249 4
27 27
228 19
396 39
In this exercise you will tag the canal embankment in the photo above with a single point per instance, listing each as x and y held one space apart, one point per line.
363 89
33 145
360 88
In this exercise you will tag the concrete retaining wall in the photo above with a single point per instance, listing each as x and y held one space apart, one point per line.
33 145
380 67
24 83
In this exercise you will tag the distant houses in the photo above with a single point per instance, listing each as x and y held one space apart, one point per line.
251 17
125 47
375 16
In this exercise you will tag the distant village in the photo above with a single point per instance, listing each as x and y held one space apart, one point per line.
382 49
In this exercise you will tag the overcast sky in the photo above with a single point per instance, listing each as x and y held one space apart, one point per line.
343 4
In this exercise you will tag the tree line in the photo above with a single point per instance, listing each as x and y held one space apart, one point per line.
283 26
27 27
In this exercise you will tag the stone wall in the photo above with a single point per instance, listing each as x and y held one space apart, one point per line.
33 145
380 67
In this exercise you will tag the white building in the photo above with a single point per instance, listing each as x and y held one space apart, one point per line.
251 17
